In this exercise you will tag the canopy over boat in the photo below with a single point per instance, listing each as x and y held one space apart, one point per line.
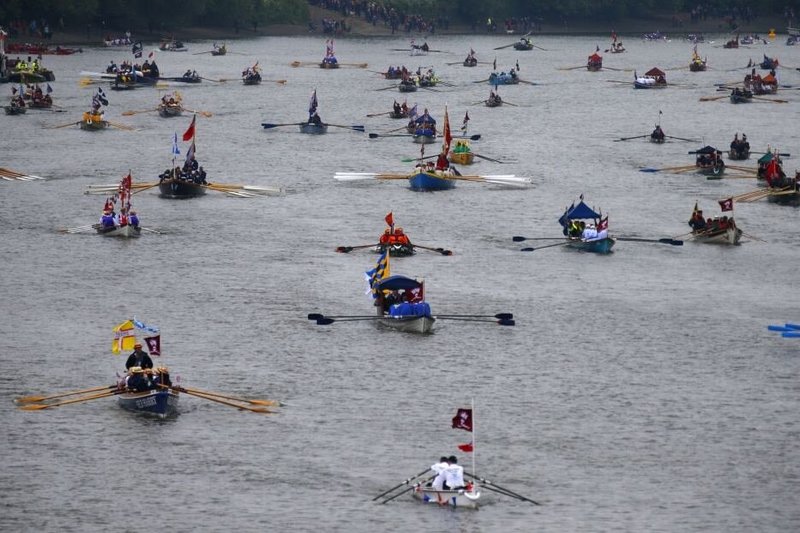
396 283
578 212
766 158
708 150
655 72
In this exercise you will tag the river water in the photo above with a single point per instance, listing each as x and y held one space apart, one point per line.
639 391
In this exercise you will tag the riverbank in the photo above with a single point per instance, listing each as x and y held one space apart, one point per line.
676 25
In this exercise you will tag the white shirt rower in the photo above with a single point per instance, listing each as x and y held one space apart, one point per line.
439 469
454 474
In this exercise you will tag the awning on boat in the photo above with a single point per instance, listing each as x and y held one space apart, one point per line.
655 72
707 150
595 57
766 158
425 117
396 283
578 212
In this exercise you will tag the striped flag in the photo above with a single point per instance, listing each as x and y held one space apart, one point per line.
175 149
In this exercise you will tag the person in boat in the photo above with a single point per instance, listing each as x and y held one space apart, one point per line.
401 238
513 74
386 237
658 133
438 469
138 358
315 119
442 163
396 108
107 219
454 474
133 219
697 222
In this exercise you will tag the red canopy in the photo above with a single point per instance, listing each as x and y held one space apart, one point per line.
595 57
654 72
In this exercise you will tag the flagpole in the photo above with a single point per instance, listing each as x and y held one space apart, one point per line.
473 437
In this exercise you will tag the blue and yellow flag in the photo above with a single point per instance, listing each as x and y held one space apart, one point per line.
381 271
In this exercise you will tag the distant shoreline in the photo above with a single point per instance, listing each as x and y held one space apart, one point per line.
680 26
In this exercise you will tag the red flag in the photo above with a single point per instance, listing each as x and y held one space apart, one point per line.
463 419
448 135
726 205
603 224
153 344
151 54
389 219
189 133
465 447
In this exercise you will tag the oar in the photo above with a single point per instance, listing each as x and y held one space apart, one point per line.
673 242
62 126
326 320
376 135
40 406
268 125
201 113
409 480
348 249
667 169
78 229
487 483
712 98
502 322
629 138
774 101
412 159
439 250
280 82
270 403
682 139
407 490
543 247
120 126
31 399
378 114
519 238
500 316
572 68
130 113
490 159
319 316
218 400
354 128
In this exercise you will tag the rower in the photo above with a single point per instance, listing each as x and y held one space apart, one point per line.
454 474
439 469
138 358
315 119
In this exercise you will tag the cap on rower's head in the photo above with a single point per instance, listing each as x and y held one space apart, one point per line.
137 345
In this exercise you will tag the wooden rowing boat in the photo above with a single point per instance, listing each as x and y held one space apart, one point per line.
93 122
170 110
582 236
161 403
396 249
709 162
401 305
466 498
313 129
431 180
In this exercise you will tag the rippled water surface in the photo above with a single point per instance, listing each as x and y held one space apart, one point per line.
638 391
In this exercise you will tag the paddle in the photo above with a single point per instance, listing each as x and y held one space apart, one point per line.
271 403
354 128
774 101
62 125
629 138
500 316
201 113
123 127
376 135
543 247
409 480
682 139
378 114
40 406
348 249
326 320
407 490
502 322
218 400
268 126
685 167
130 113
319 316
439 250
31 399
673 242
487 483
519 238
490 159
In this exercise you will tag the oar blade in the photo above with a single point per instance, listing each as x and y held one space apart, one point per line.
324 321
506 322
315 316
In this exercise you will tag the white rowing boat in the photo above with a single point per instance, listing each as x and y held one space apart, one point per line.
466 498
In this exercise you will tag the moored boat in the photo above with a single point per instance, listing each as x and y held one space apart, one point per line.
587 237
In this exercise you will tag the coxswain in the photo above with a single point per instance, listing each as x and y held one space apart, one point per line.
133 219
454 474
442 163
139 358
396 107
315 119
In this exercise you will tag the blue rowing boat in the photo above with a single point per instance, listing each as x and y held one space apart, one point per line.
503 79
586 237
431 180
157 402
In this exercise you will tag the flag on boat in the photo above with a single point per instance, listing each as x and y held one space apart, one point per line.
143 326
124 339
390 220
494 64
726 204
598 48
466 121
151 54
447 134
378 273
49 89
517 65
153 344
13 90
463 419
466 447
412 113
175 149
137 49
602 225
190 153
189 133
312 105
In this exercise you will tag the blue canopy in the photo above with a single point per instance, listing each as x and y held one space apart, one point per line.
425 117
578 212
396 283
707 150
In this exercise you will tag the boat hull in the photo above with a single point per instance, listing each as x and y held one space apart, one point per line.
598 246
713 172
462 158
725 236
448 498
14 110
502 79
424 138
159 403
168 111
180 189
406 324
396 250
407 87
314 129
93 125
430 181
328 64
127 231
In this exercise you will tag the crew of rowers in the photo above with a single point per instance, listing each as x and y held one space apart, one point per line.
191 172
699 224
127 70
740 146
392 236
578 229
709 160
110 219
494 99
21 65
758 85
400 110
449 475
394 73
471 59
38 96
616 47
190 75
251 73
171 100
420 79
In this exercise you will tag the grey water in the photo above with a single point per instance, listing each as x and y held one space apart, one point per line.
639 391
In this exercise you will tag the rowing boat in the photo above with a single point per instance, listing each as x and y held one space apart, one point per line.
161 403
167 110
709 162
400 304
314 129
719 230
503 78
466 498
587 237
652 79
93 121
594 63
396 249
461 153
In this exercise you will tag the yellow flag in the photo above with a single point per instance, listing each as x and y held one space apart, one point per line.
123 340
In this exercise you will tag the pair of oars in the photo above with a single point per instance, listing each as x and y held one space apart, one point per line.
500 490
231 401
348 249
206 114
663 240
12 175
36 403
